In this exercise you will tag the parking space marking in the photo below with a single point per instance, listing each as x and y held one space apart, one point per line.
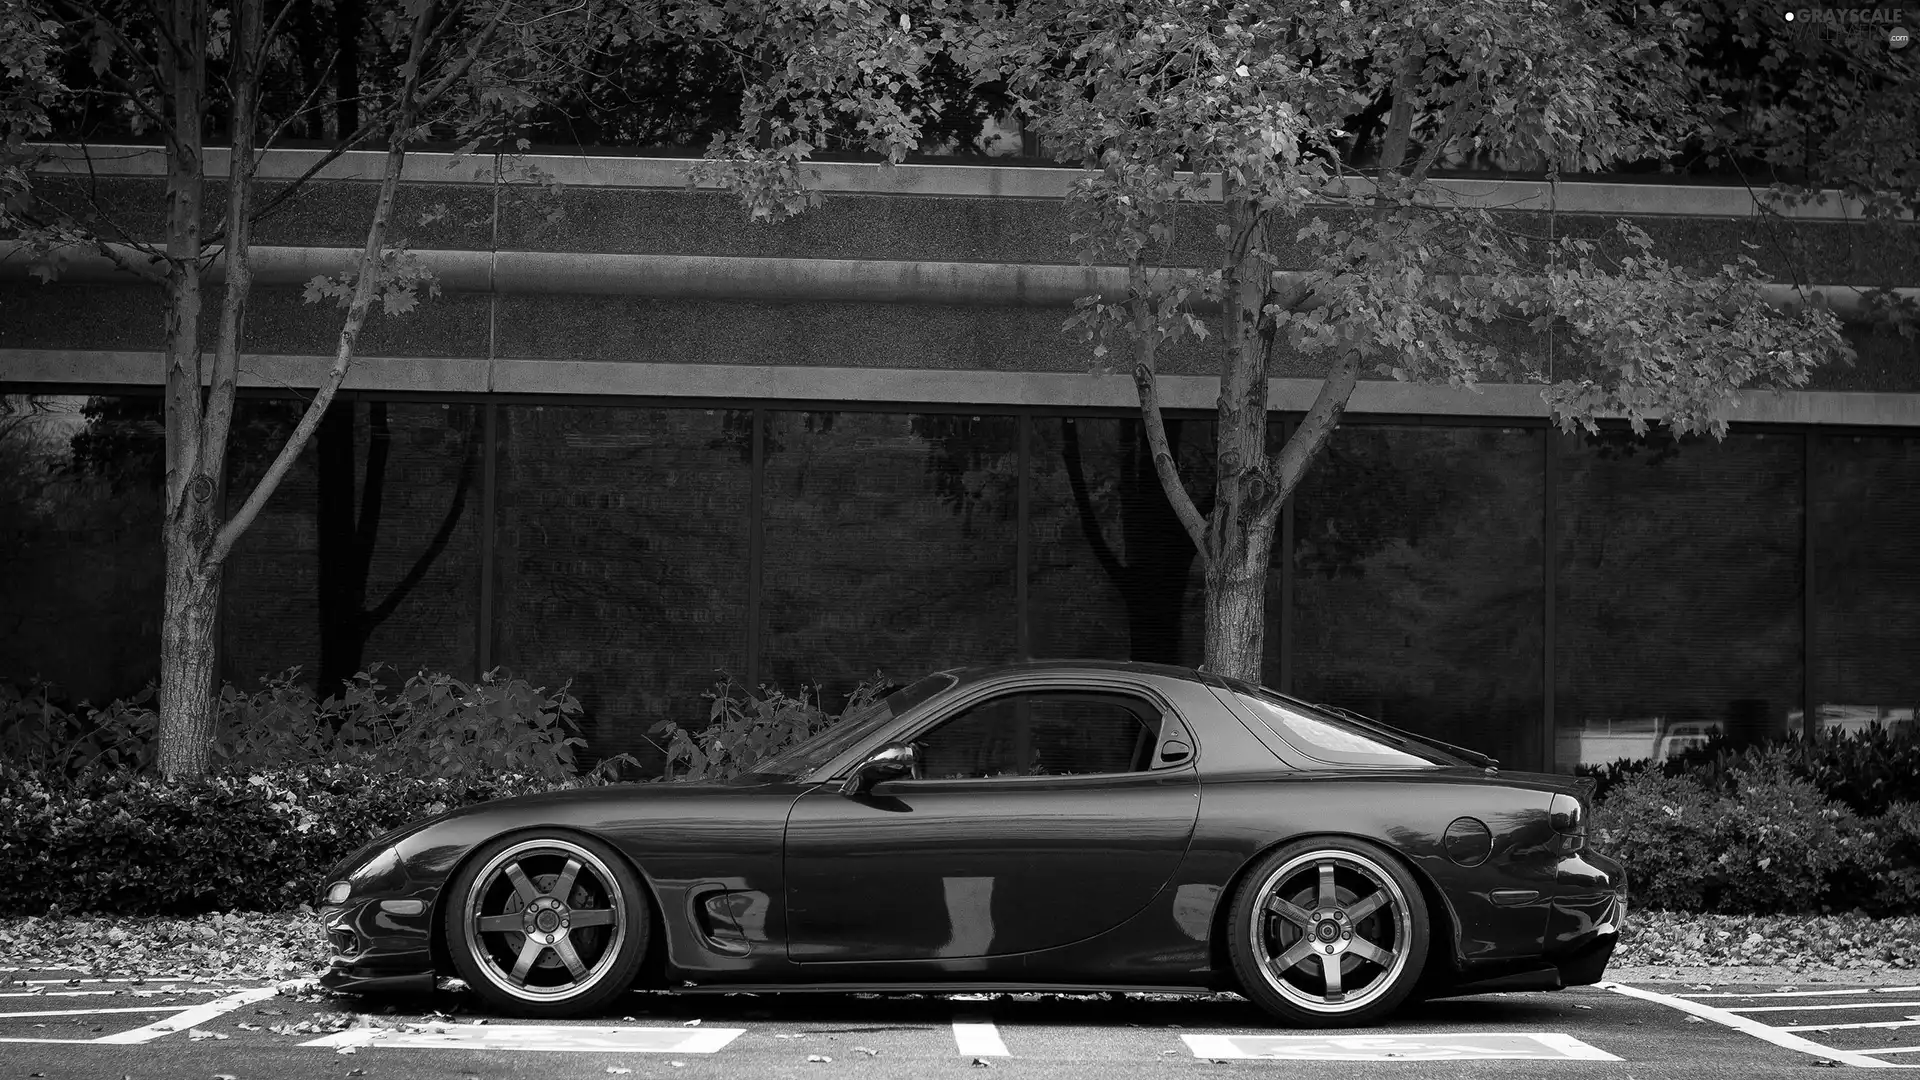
190 1017
543 1037
977 1037
1815 993
1911 1021
90 1012
1836 1005
1438 1046
1781 1037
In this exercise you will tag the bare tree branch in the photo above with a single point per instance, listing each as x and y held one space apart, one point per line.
1147 341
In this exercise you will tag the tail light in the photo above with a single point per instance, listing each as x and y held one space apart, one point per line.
1568 815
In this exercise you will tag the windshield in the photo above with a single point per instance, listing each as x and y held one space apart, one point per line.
851 728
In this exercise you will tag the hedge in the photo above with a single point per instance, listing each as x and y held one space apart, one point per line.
1758 841
117 842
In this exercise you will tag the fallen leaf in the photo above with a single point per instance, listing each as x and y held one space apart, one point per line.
1695 1020
867 1050
347 1050
820 1058
618 1070
981 1063
690 1023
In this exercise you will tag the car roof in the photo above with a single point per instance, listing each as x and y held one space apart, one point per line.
982 672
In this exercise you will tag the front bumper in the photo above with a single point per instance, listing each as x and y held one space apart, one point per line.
376 950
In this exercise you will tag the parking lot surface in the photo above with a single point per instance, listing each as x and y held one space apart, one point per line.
54 1025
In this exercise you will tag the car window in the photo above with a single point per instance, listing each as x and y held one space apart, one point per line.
850 729
1328 738
1043 734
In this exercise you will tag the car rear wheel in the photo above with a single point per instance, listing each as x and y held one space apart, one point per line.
547 924
1328 933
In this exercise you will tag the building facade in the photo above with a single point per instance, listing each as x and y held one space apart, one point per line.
639 442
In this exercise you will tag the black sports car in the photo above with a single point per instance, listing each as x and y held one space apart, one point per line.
1052 825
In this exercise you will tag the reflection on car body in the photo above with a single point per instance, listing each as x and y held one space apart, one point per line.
1049 825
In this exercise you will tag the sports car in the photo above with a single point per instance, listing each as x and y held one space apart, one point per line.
1056 825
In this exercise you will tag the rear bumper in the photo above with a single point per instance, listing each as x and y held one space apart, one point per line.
1584 925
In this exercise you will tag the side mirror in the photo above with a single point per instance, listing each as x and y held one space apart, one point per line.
894 761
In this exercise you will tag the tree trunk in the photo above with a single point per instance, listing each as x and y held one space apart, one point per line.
1236 611
188 659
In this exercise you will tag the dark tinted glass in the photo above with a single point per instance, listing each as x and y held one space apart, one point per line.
1679 593
1419 596
368 551
81 573
622 559
1866 581
1112 574
890 546
1042 735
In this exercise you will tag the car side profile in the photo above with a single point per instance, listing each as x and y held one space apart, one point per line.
1053 825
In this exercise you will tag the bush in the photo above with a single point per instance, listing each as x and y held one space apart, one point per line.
434 725
743 729
116 842
1747 836
1661 827
1868 769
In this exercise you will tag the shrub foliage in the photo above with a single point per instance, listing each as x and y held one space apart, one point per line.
116 841
432 725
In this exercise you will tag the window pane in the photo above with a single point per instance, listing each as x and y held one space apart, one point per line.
1042 735
1418 590
1112 573
622 559
80 564
1866 581
890 546
1324 739
368 551
1678 595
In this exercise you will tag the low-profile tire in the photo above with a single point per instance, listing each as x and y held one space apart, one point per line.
1328 932
547 924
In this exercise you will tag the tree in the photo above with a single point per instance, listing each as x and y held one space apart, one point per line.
1176 106
469 69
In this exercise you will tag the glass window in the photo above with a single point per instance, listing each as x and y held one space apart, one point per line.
1419 593
1678 592
1866 579
1112 575
890 546
1043 734
621 554
368 551
1328 738
81 572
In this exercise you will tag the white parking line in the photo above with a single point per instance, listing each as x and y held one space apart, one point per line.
1911 1021
543 1037
1727 1018
1814 993
89 1012
1836 1005
189 1018
977 1037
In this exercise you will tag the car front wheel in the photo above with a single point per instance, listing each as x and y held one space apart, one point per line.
1328 933
550 924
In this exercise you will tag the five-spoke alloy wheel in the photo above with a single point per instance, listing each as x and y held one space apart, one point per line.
547 924
1328 933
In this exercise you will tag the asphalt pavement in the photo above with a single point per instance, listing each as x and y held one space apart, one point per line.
56 1027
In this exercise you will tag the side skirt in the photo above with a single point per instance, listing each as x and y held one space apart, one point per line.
933 988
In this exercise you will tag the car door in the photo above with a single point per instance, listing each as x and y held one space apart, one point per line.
1040 816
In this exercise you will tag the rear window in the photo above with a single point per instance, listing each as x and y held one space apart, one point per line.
1333 739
